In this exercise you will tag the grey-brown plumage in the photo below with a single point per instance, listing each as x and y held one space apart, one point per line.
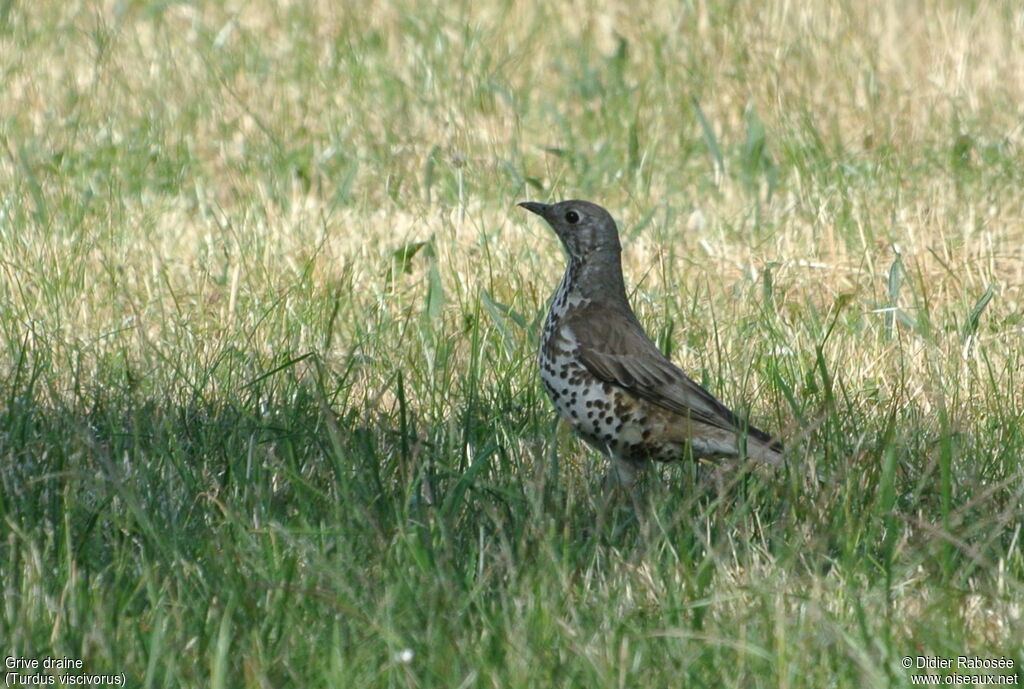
605 376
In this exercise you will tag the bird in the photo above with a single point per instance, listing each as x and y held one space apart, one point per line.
605 376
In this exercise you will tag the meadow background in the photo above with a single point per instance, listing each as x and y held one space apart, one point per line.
269 414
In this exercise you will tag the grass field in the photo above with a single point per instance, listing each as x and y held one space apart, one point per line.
270 414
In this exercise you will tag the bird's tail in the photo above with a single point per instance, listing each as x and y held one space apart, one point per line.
765 451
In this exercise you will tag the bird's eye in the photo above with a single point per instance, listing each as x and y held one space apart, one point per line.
572 217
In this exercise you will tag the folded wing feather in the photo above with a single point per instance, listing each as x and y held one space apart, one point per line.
626 357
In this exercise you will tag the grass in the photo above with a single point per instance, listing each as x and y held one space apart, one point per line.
270 415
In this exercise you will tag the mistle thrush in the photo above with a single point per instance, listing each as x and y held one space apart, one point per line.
608 380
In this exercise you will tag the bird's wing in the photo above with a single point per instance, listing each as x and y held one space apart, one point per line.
619 352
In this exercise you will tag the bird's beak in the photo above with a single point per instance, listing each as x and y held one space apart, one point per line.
534 207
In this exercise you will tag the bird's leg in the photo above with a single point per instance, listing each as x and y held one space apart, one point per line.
622 476
624 472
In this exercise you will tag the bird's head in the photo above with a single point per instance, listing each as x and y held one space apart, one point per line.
583 227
